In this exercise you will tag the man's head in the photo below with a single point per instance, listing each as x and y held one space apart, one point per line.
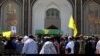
20 38
25 38
70 38
62 40
12 38
77 38
31 36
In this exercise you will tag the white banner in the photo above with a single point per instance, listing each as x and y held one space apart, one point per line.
13 29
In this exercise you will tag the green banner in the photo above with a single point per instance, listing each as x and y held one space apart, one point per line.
50 31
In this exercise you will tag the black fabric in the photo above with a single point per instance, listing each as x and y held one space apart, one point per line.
88 48
62 49
94 47
10 48
76 47
10 45
1 47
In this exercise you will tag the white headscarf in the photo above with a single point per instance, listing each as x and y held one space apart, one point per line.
48 48
46 37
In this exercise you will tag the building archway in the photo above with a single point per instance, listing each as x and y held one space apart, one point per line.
39 14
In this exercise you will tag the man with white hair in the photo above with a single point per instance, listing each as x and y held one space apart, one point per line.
25 39
30 46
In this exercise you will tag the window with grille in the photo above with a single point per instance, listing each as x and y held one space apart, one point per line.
52 13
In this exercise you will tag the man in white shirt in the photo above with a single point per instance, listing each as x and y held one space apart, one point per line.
98 47
30 46
70 45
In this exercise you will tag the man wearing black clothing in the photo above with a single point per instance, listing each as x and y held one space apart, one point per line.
76 45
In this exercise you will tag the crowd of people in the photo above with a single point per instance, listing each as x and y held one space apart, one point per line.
49 44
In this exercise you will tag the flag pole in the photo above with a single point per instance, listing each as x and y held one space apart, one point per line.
75 12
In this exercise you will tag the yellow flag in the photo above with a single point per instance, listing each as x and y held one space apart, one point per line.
46 31
72 25
7 34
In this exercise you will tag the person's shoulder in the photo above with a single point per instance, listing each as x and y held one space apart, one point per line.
70 42
99 41
27 41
